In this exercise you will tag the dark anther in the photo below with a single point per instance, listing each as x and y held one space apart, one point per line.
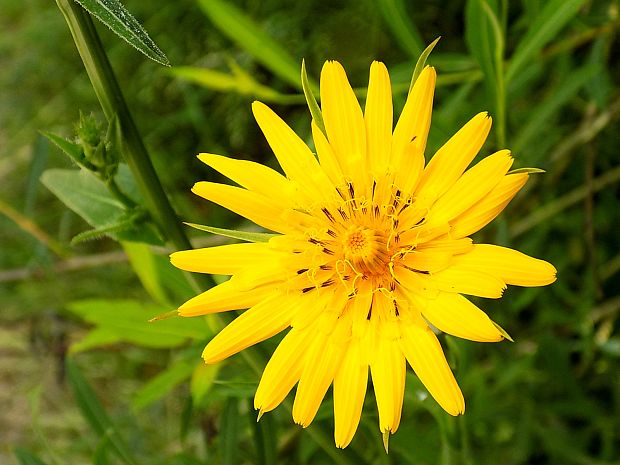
307 289
331 233
303 270
343 214
329 282
327 251
328 214
325 267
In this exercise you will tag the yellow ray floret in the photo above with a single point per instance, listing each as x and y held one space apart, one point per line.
371 253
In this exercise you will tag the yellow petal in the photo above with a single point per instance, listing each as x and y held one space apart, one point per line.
327 158
223 259
452 246
511 266
427 260
388 380
349 391
255 207
426 357
294 156
343 119
260 322
322 360
485 211
472 186
282 371
454 314
415 119
378 116
411 167
465 280
224 297
451 160
253 176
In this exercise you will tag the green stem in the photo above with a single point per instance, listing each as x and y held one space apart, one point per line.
113 104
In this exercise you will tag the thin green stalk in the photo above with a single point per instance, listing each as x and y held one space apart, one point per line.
500 88
113 104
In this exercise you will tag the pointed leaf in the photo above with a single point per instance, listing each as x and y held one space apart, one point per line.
71 149
315 110
129 321
113 14
419 66
234 234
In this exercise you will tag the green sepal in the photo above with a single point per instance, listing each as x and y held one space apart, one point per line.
234 234
503 331
419 66
315 110
527 171
71 149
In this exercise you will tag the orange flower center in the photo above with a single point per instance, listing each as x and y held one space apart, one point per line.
366 250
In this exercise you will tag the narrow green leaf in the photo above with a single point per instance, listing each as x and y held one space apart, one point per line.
144 264
100 457
395 14
202 380
265 438
481 41
554 16
94 339
234 234
543 113
239 82
129 321
25 457
163 383
229 433
315 110
419 66
240 28
94 413
526 170
113 14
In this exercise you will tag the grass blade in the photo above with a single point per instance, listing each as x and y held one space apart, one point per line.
548 23
407 35
240 28
93 412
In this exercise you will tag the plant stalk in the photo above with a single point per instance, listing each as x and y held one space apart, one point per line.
113 104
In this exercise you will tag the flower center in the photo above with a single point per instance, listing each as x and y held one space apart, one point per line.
366 250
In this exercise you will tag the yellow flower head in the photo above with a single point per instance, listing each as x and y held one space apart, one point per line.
371 247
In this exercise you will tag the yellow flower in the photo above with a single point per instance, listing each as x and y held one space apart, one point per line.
371 247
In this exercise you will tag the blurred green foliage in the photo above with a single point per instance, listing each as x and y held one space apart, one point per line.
546 72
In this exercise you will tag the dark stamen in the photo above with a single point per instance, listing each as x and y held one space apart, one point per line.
327 251
307 289
303 270
328 214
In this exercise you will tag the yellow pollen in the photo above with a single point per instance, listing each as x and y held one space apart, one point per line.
366 250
